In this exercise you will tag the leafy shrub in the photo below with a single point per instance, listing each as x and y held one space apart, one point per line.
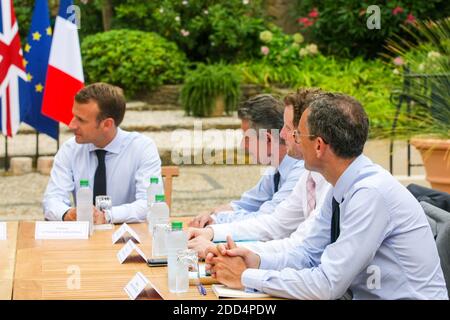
339 26
284 49
133 60
212 30
205 84
371 82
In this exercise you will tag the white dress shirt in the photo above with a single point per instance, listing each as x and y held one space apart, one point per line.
288 216
131 159
262 198
385 249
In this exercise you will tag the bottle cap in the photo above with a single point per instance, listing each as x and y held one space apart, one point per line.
160 198
154 180
84 183
177 225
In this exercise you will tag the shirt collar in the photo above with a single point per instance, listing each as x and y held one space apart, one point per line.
114 146
286 164
348 178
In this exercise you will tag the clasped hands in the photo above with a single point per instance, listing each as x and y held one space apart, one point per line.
227 262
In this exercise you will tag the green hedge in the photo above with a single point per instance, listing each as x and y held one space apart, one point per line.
134 60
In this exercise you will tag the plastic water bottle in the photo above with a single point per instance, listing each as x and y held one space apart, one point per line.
176 240
159 212
153 189
84 204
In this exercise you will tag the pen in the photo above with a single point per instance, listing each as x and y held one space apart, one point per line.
201 289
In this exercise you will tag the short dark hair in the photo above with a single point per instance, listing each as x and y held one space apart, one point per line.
300 100
110 100
340 120
263 111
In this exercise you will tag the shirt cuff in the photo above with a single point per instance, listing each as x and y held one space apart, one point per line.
254 279
57 212
221 231
119 214
267 261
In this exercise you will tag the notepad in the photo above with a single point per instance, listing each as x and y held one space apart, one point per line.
222 291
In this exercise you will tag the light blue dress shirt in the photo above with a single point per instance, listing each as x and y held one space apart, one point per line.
262 198
131 159
385 249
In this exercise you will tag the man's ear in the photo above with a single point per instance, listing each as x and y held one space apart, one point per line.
320 147
108 123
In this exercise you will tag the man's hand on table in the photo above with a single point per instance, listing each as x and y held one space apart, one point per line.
227 263
99 216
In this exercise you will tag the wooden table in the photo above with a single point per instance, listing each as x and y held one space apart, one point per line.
50 269
7 261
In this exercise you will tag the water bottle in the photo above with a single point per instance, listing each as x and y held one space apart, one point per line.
176 240
158 224
84 204
159 212
153 189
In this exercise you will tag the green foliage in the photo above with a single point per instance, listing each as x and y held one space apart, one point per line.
428 58
206 30
339 26
371 82
281 49
205 84
133 60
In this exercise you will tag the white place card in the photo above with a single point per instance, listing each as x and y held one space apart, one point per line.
61 230
124 229
3 231
136 286
127 249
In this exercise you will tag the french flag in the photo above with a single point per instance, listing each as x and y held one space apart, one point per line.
65 70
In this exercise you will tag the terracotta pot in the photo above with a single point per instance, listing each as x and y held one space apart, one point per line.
436 159
219 107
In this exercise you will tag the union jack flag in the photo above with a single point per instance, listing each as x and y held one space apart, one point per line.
14 94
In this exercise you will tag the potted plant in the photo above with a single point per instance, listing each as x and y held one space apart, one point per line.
428 59
211 90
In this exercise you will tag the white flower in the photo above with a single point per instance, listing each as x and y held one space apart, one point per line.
184 33
177 18
433 55
185 2
396 71
161 10
245 2
312 48
205 12
303 52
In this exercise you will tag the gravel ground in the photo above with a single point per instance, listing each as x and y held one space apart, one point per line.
197 189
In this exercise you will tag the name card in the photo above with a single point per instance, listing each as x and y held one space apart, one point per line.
3 231
136 286
59 230
124 229
127 249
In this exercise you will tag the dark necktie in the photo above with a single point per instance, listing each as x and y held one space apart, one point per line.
335 221
276 181
100 175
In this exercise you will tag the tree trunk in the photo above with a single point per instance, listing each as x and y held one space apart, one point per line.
107 14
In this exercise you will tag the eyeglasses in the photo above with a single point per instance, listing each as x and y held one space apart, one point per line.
297 136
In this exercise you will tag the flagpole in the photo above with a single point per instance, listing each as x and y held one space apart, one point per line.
57 140
37 148
6 154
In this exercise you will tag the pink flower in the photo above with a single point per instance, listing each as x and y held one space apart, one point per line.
184 33
305 21
397 10
314 13
265 50
399 61
410 19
